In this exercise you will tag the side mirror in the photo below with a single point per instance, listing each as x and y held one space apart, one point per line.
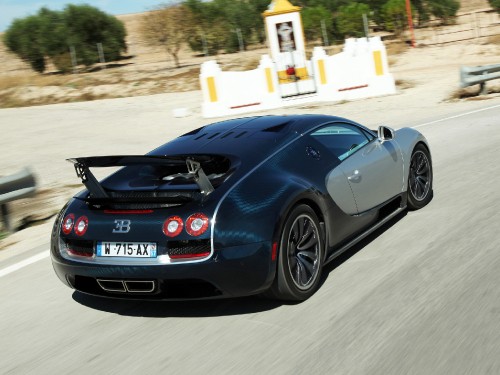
385 133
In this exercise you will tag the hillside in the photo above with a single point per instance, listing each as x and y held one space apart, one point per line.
467 6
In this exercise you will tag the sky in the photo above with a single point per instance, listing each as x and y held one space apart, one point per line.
11 9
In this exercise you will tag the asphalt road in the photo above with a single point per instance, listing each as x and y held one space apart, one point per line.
421 296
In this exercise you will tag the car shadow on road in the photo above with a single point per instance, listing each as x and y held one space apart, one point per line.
179 309
213 308
340 259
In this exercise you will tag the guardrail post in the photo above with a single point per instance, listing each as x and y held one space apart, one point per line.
482 88
4 209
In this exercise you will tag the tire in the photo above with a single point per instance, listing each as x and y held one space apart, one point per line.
300 256
419 178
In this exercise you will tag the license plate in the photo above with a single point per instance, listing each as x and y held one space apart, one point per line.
126 249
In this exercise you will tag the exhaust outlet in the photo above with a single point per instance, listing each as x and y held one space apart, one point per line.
127 286
115 286
140 286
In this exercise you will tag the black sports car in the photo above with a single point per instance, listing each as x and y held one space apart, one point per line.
239 207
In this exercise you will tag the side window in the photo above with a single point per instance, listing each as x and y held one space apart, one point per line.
342 139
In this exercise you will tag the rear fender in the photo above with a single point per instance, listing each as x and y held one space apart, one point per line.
314 199
257 215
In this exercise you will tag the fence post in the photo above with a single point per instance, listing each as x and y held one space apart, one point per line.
101 55
240 39
204 43
365 23
72 52
326 42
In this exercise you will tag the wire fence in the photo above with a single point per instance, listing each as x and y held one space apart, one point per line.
473 26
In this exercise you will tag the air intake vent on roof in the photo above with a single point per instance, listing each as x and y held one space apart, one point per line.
200 136
213 135
241 134
277 128
226 135
193 132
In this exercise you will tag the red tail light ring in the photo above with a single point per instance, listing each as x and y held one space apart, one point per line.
197 224
81 225
68 223
172 227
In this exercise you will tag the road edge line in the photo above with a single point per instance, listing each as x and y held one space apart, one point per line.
17 266
456 116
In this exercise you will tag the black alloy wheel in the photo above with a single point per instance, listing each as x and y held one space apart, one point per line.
420 178
300 256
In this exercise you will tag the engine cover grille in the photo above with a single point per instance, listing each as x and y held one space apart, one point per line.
80 247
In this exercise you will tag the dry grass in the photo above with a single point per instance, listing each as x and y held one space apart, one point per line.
19 90
404 84
394 49
494 39
473 93
13 97
465 93
44 80
16 80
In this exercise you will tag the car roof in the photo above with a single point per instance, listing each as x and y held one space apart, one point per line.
248 137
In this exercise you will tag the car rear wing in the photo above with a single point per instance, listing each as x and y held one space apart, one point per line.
83 165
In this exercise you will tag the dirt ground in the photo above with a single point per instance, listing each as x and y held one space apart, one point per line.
42 137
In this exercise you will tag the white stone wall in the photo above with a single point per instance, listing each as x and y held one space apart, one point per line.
361 70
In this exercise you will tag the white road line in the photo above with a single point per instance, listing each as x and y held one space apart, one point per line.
17 266
456 116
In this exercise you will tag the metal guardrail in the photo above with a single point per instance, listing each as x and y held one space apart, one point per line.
17 186
478 75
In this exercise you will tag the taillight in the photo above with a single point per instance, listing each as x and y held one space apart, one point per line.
190 256
81 225
197 224
67 224
274 251
173 226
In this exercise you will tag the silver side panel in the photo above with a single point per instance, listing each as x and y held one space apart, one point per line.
340 191
375 173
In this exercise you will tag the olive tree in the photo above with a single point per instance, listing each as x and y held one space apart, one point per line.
495 4
50 34
167 27
313 18
350 19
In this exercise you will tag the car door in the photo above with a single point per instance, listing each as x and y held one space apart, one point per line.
375 173
373 170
